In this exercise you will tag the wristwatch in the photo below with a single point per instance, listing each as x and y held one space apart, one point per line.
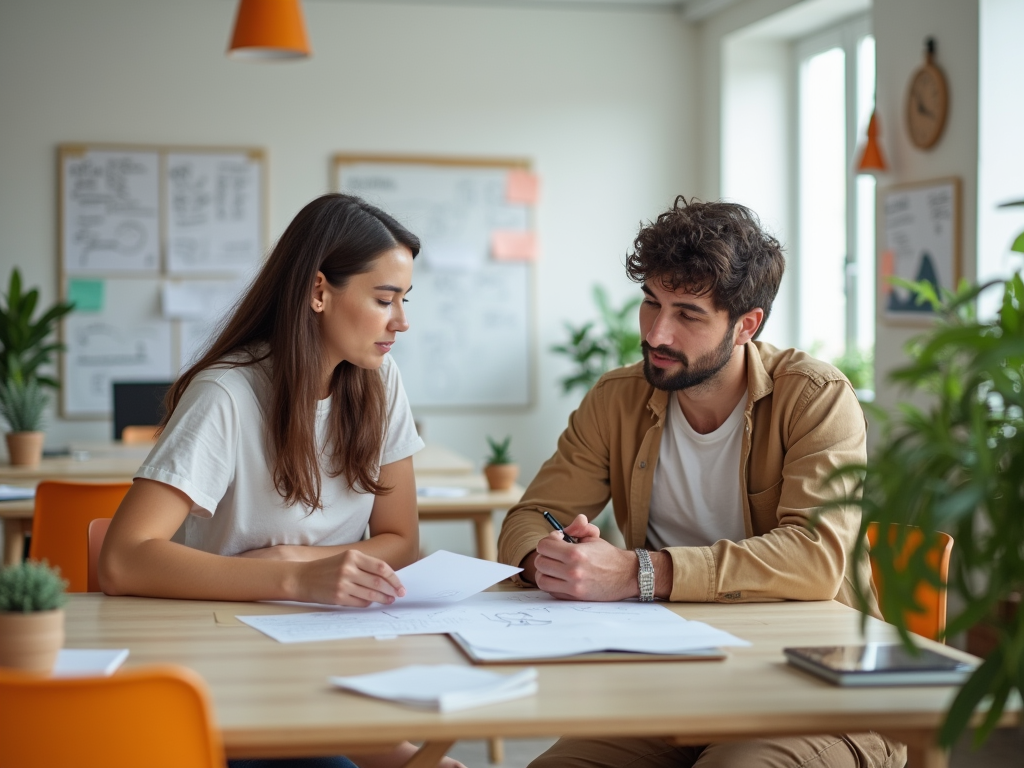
645 577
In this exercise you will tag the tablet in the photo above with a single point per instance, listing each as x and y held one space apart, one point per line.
879 664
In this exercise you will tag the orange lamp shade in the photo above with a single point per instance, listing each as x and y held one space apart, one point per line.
871 159
269 29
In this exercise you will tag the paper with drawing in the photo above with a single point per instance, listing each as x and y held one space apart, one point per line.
508 622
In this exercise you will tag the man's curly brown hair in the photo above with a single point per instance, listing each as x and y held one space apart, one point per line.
716 249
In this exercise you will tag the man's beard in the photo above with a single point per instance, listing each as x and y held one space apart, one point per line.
703 369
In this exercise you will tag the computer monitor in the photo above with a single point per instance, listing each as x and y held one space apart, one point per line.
138 403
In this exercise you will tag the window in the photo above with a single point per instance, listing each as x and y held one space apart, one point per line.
835 233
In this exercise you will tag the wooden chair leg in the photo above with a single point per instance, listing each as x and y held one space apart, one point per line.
495 751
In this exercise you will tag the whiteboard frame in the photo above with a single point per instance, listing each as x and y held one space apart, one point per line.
77 149
884 290
499 163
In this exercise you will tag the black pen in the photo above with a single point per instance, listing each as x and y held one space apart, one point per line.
558 527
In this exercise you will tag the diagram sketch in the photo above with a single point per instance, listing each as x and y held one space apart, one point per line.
110 211
519 619
215 220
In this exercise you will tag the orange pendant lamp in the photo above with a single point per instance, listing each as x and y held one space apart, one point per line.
871 158
269 29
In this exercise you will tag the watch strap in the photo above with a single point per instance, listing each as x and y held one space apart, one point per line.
645 576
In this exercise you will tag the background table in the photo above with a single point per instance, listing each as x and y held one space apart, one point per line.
435 466
273 699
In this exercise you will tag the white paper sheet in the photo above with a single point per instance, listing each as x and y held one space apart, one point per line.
14 493
447 577
444 687
531 624
89 662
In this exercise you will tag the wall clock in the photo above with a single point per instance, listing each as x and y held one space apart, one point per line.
927 102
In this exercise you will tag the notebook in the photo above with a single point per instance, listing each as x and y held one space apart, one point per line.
879 664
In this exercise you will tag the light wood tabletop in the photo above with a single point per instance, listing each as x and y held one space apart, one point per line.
273 699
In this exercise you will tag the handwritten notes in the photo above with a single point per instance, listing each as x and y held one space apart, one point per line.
110 205
214 216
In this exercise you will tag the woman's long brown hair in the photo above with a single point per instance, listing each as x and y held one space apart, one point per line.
341 236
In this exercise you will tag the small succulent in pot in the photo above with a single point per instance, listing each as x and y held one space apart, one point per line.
500 470
32 597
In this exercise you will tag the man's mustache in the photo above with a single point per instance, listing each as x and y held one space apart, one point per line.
664 352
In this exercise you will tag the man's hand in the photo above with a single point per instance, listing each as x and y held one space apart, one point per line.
593 569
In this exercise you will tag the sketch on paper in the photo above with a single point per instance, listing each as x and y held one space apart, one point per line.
110 212
215 219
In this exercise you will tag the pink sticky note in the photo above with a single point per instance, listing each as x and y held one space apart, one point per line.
522 187
512 245
887 268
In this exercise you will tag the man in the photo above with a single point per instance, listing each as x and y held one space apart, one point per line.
715 452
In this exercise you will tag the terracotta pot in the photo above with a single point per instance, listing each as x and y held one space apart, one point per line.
500 477
25 448
31 641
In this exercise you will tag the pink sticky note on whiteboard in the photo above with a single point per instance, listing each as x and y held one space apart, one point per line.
512 245
522 187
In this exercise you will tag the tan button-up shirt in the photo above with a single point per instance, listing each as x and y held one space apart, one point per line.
802 421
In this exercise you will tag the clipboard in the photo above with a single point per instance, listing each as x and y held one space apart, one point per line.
709 654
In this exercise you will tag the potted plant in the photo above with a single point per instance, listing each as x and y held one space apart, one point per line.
500 471
21 405
31 616
26 346
956 465
595 353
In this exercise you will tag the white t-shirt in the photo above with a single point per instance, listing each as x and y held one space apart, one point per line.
214 450
695 500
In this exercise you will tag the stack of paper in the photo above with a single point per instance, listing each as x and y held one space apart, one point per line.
14 493
442 687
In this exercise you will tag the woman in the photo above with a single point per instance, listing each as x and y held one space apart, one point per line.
289 437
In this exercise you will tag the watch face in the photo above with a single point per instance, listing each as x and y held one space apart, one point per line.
926 107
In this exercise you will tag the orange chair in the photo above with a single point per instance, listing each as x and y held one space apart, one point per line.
155 716
97 533
932 622
60 524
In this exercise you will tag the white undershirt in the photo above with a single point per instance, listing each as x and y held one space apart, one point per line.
696 497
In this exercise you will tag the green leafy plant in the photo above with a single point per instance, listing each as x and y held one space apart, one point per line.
29 587
22 404
858 365
24 345
499 450
595 352
957 465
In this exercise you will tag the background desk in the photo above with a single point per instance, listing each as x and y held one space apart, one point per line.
106 462
272 699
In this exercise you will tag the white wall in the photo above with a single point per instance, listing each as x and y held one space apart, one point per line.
900 30
601 100
1000 148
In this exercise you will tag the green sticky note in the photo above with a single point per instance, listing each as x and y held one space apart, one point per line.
87 295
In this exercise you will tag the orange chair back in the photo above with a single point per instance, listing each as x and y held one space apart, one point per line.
60 524
97 533
155 716
137 435
932 622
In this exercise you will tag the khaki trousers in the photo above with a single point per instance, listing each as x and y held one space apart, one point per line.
861 750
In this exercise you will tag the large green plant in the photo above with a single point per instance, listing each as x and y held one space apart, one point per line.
25 343
595 352
957 465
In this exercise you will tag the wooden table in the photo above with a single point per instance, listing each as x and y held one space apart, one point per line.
273 699
435 465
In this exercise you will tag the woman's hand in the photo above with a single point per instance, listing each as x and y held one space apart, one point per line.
351 578
398 757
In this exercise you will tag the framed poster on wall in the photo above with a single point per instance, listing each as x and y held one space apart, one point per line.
921 241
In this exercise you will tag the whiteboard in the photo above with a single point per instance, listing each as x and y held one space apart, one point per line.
156 245
127 339
214 212
470 336
921 236
110 217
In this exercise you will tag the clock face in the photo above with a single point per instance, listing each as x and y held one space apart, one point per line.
927 102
